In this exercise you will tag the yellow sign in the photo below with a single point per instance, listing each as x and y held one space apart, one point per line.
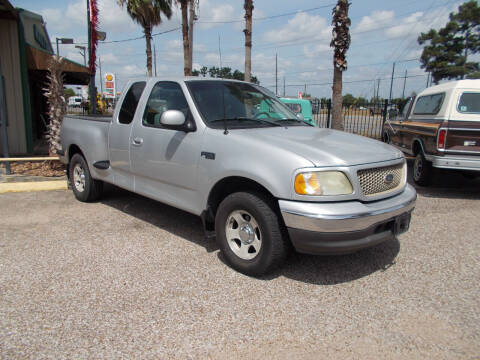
109 77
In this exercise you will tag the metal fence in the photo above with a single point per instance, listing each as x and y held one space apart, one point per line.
365 120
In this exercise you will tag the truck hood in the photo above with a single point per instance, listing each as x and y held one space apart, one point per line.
323 147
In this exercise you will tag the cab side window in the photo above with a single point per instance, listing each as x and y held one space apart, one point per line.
130 102
429 104
164 96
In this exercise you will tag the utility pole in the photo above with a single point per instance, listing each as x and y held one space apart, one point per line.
404 83
101 79
466 53
284 86
378 89
155 58
276 75
93 96
428 78
305 89
219 53
391 84
374 81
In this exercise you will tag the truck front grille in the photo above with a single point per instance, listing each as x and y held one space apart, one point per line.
380 180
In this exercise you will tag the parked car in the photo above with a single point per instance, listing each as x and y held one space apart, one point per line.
75 101
441 128
232 153
300 106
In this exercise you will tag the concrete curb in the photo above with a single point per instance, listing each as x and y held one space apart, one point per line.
33 186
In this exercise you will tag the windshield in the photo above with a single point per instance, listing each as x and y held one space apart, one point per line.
239 104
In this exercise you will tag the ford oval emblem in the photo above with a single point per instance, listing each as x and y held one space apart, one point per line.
388 178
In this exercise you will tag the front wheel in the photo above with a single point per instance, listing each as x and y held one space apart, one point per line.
422 170
250 233
84 187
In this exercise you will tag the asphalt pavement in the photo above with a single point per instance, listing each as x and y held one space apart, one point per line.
128 277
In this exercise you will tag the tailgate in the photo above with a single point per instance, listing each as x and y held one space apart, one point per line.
463 137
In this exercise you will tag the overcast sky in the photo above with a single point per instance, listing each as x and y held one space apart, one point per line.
383 31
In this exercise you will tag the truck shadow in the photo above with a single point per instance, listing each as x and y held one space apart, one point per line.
447 184
320 270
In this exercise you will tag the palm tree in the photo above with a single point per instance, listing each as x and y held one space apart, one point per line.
248 6
187 66
147 13
340 42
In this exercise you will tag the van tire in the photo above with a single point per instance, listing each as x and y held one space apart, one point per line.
85 188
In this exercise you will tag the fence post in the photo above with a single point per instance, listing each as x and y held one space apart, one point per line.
385 107
329 107
3 121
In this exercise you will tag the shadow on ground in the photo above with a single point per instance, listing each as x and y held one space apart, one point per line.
448 184
321 270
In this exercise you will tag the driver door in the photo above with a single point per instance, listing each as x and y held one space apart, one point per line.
164 161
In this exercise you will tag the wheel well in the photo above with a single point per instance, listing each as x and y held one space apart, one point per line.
228 186
417 147
72 150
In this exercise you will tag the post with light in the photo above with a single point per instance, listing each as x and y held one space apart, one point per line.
63 41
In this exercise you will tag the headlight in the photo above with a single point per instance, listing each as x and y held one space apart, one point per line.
322 183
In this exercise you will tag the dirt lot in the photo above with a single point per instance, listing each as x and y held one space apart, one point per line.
129 277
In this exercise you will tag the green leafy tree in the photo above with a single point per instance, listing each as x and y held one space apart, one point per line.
69 92
223 73
446 51
348 100
148 13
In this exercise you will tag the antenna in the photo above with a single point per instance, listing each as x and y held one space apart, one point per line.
219 53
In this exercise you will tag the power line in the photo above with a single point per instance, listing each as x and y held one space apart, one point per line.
265 17
348 82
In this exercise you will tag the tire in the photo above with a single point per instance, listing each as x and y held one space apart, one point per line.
261 243
84 187
422 170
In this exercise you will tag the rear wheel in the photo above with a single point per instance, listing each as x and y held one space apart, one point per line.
84 187
422 170
250 234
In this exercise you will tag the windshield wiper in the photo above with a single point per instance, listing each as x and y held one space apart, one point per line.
265 121
296 120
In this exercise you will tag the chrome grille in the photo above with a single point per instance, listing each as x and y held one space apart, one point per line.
373 181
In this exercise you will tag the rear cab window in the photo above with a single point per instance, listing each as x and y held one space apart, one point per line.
130 102
429 104
469 103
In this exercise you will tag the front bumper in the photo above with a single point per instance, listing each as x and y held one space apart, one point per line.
458 162
343 227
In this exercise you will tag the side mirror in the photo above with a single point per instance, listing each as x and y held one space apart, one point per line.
172 118
300 116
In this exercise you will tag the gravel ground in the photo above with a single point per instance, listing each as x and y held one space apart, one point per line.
131 278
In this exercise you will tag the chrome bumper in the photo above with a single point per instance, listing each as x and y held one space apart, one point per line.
319 228
455 162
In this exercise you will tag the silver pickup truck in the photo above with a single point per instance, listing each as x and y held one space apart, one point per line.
231 152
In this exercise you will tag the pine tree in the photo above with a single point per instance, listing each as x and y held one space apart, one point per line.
447 50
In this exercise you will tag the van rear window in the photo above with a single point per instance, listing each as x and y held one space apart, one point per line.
469 103
429 104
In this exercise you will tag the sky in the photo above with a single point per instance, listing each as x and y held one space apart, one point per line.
298 32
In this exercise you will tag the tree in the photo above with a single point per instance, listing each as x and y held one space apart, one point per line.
340 42
147 13
446 51
187 68
57 106
69 92
248 6
348 100
223 73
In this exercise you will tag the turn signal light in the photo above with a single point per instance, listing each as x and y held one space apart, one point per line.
442 136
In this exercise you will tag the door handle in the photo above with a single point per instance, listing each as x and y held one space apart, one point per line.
137 141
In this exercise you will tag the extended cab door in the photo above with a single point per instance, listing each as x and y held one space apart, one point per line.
165 160
119 136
